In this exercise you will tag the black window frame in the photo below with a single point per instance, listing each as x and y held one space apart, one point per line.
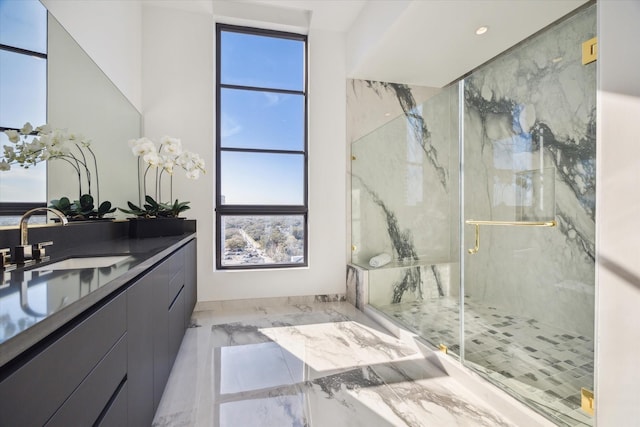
18 208
223 210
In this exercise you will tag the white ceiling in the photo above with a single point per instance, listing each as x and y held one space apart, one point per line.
417 42
333 15
426 42
433 42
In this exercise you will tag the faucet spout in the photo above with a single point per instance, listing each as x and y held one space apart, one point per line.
24 220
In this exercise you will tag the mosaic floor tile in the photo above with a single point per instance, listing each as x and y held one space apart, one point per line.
540 364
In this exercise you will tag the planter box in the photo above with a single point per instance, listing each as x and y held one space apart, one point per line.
155 227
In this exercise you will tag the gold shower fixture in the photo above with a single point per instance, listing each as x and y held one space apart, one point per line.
477 224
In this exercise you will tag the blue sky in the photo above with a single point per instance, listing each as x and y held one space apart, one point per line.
250 119
262 120
23 91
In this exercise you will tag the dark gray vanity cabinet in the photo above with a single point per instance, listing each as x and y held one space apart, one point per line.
108 366
157 312
73 375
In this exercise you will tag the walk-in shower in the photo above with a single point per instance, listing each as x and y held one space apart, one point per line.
484 196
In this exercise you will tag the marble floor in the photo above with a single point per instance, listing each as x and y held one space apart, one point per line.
541 364
317 365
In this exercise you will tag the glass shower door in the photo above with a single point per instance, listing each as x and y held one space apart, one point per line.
528 156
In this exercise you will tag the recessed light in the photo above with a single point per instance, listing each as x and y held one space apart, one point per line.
556 60
481 30
387 114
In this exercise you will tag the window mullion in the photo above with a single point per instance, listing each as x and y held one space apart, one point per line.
262 89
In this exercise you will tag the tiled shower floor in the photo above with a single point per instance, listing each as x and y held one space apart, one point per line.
538 363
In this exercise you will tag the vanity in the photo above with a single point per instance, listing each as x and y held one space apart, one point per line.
91 340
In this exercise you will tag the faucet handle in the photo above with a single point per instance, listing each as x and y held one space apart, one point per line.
23 255
5 260
39 253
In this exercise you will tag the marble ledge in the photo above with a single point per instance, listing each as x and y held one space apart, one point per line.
364 265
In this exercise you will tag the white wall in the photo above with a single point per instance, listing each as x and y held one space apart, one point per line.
178 99
618 214
110 32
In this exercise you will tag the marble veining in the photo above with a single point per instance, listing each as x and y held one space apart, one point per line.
388 285
403 247
400 177
532 109
529 120
417 124
355 286
321 365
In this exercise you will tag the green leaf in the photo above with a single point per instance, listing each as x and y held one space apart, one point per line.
105 208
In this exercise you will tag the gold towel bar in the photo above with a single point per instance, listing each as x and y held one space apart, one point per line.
551 223
477 224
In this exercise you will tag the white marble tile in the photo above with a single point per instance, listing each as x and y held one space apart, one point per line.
324 365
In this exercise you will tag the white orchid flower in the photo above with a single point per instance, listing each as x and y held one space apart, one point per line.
26 129
4 165
13 135
168 164
9 152
142 147
169 155
199 161
193 174
152 159
78 138
46 141
57 138
171 145
44 129
33 146
59 148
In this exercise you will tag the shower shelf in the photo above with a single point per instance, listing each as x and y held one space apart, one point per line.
400 264
478 223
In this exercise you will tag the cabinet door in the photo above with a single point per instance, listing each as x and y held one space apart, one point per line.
116 414
93 396
33 392
176 274
176 326
160 306
190 281
140 330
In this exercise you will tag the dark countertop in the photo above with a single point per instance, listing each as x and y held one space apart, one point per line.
33 304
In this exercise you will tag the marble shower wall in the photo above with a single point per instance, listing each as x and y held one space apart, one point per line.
401 181
534 109
401 185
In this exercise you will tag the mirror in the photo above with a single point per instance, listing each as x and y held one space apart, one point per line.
82 99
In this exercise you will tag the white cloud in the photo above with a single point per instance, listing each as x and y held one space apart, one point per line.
272 98
230 127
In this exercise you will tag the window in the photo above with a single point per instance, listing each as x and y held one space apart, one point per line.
261 148
23 98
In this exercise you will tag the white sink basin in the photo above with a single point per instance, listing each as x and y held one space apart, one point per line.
83 262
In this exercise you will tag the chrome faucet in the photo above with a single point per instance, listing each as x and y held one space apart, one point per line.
23 253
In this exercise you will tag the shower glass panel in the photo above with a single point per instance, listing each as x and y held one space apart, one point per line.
405 204
529 176
495 261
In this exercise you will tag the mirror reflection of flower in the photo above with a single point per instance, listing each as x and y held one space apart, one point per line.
31 146
161 161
